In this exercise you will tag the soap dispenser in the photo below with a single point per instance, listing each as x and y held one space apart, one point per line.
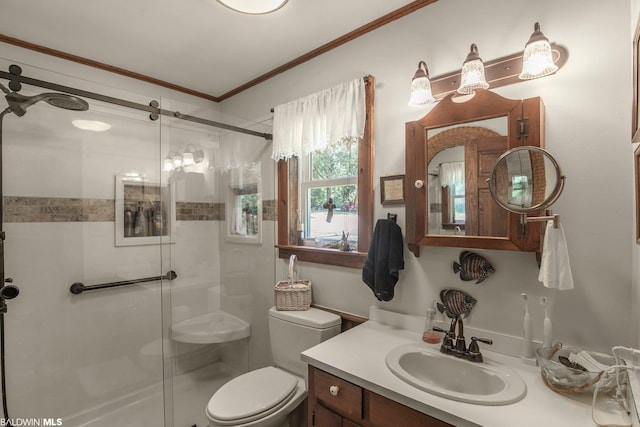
429 335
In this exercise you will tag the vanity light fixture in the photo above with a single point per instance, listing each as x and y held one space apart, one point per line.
503 71
189 157
253 7
167 164
537 59
472 73
421 87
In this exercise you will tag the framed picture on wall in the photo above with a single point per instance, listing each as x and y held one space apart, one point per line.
392 190
635 114
636 166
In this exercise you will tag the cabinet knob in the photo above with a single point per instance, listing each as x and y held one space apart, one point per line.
419 183
333 390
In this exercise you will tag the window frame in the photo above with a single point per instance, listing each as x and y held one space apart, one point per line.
289 194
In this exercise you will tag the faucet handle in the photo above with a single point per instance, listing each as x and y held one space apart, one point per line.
474 347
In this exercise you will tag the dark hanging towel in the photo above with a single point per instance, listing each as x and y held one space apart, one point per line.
384 260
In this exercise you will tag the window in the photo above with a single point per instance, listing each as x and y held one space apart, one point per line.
520 192
244 205
457 198
329 188
340 178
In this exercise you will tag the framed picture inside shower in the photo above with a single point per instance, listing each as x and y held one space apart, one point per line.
244 204
144 211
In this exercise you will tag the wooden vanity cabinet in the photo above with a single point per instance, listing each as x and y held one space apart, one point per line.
334 402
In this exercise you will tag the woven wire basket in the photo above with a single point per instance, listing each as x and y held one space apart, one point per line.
566 380
293 296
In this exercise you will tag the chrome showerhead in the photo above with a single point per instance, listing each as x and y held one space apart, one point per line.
19 103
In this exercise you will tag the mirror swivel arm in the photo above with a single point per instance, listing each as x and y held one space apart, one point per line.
548 217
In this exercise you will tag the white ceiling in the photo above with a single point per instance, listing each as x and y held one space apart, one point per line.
197 44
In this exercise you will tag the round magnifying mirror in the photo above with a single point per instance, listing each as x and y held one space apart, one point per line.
526 180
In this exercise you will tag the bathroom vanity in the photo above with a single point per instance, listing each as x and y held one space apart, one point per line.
351 385
334 402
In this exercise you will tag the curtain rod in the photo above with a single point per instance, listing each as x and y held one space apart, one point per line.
153 108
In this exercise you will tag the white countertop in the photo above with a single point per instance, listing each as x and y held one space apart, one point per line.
358 356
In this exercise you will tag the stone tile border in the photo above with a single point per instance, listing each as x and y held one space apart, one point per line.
197 211
59 209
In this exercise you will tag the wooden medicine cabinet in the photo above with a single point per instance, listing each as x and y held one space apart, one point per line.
450 154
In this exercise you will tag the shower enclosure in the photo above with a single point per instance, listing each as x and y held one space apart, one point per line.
134 307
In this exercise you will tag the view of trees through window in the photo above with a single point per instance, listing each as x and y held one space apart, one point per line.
331 190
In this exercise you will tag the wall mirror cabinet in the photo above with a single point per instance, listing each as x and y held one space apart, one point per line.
450 154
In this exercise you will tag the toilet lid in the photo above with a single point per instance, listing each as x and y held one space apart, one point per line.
252 395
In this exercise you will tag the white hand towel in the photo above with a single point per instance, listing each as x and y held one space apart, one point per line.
555 269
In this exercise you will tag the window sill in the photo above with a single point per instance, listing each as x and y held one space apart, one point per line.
323 256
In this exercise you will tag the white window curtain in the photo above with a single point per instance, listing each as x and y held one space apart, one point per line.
451 173
319 120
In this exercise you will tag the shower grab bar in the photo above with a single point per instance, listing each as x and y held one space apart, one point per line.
79 287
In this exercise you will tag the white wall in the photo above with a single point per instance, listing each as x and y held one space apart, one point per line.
587 130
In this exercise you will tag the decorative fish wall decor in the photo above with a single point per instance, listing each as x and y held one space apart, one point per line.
473 266
455 303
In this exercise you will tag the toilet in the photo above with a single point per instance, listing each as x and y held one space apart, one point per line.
265 397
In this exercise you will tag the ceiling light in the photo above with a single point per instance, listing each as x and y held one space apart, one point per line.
472 73
537 60
421 87
253 7
92 125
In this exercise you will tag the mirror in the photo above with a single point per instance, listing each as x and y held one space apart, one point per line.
526 180
450 154
460 159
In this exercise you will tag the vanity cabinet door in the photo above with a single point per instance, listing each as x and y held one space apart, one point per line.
338 395
322 417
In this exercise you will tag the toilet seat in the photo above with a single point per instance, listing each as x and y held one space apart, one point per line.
252 396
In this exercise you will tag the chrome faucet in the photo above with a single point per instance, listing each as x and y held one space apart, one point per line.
454 342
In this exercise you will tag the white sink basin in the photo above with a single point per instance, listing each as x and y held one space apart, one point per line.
486 383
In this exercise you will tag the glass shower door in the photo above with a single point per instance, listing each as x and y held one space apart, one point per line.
206 335
93 358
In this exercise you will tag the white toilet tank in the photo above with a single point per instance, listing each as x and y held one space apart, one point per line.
293 332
